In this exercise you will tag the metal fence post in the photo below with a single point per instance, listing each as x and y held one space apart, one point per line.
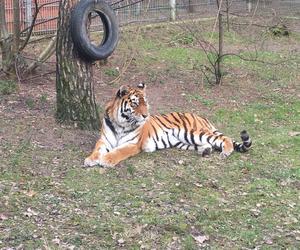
138 9
28 8
173 9
249 5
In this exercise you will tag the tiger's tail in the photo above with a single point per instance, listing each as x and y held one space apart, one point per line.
246 143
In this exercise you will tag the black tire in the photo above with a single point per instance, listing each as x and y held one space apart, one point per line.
79 33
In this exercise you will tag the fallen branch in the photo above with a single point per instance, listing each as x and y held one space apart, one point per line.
47 52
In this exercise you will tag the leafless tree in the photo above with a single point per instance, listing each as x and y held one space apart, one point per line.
12 45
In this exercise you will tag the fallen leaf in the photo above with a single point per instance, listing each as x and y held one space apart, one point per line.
30 212
30 193
268 241
56 241
121 241
102 170
293 133
180 162
3 217
200 239
198 184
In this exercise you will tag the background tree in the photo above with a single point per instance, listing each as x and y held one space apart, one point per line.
74 78
11 44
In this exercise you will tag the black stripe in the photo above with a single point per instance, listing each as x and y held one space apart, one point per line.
175 117
125 116
158 124
131 139
131 130
247 144
165 145
177 144
170 145
108 140
173 132
157 117
208 138
194 121
185 131
109 124
167 119
215 138
122 106
156 147
125 106
221 147
201 135
186 118
193 137
155 132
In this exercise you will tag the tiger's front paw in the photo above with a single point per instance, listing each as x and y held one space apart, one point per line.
90 163
107 161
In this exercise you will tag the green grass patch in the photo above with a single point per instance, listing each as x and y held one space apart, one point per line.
7 87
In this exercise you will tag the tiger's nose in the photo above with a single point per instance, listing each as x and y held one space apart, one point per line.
144 116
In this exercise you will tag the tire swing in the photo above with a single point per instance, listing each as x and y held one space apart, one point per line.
79 33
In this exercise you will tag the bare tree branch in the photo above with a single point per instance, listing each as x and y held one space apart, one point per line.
30 28
47 52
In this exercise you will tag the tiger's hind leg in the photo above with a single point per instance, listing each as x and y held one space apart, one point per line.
205 150
227 148
222 143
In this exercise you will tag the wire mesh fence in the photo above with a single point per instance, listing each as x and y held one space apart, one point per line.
138 11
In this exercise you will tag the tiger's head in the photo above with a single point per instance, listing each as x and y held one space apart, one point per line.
129 107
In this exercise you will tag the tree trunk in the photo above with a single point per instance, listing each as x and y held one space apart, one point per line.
74 78
5 42
218 70
17 31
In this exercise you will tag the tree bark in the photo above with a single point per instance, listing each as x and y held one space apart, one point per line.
74 78
45 54
5 41
16 35
218 70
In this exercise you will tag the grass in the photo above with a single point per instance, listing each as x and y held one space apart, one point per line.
164 199
7 87
243 201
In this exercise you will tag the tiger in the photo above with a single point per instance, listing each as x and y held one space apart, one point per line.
128 129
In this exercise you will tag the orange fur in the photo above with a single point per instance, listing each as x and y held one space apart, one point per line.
128 129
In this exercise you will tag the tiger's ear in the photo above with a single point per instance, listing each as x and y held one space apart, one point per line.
123 90
141 85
